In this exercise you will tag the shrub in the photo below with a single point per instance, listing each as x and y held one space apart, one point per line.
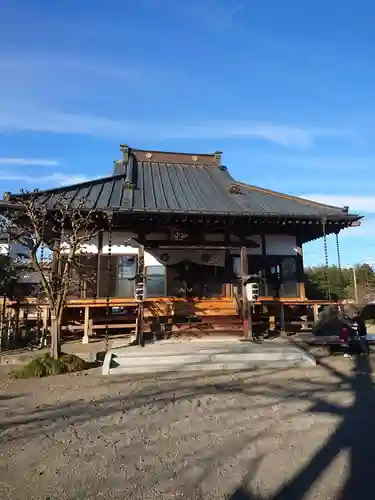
44 366
73 363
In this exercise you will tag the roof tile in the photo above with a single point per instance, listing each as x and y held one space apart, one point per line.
152 186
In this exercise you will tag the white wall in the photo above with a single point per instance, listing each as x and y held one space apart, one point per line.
119 246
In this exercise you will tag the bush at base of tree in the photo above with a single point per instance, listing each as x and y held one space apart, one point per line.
45 366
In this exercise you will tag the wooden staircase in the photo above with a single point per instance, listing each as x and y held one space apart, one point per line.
206 317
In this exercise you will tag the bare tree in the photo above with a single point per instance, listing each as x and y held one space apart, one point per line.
8 275
63 232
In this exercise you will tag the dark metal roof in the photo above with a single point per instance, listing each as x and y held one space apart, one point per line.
161 186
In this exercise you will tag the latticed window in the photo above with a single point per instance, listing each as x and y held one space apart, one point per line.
126 270
156 284
289 277
126 266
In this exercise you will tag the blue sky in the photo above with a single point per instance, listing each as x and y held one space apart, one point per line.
285 89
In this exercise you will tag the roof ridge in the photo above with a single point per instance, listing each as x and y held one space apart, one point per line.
173 152
299 199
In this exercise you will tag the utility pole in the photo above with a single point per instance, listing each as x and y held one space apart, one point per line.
355 284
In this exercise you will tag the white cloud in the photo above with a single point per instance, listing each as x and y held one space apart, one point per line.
355 203
53 179
16 118
28 161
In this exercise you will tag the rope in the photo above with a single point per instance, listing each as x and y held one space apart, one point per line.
338 253
339 263
140 281
109 269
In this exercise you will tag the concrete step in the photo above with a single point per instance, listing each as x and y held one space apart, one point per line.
206 367
187 357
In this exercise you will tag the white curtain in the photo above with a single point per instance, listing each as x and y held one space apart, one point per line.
203 257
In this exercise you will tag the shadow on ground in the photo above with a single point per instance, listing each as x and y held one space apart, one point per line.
355 432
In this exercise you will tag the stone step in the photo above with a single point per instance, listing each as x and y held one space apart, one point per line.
207 367
187 357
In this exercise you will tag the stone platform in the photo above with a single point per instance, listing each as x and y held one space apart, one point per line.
207 355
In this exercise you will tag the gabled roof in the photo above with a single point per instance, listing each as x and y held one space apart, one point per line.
158 182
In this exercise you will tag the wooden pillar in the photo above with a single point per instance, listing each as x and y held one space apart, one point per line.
86 325
246 307
98 257
271 323
300 273
305 322
265 271
316 312
84 289
23 314
16 319
282 319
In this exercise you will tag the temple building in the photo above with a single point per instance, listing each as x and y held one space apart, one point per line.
194 220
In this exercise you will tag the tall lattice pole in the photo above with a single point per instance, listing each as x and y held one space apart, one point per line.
328 285
109 269
339 263
140 284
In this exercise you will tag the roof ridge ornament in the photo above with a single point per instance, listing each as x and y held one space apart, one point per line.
217 156
126 151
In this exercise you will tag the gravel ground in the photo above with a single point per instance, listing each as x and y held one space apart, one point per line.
289 434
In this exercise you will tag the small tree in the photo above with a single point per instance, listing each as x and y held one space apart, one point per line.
63 231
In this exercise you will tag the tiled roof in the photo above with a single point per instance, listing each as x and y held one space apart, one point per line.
191 187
